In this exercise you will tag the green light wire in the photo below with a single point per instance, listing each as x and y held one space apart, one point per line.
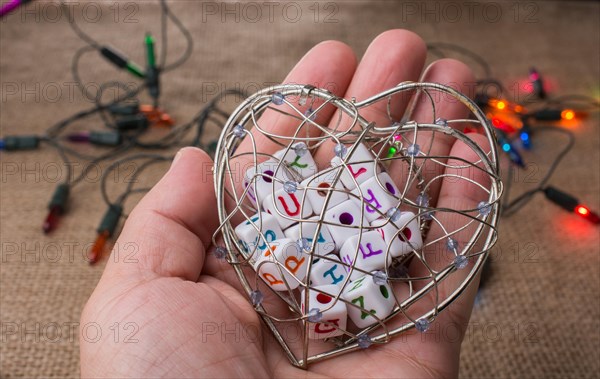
135 69
150 50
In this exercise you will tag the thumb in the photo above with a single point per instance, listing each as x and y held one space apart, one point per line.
169 230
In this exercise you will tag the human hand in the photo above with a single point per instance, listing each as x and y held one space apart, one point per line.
175 291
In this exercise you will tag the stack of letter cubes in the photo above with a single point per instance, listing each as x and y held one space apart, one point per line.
291 198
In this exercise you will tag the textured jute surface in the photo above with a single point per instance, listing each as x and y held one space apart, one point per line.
538 315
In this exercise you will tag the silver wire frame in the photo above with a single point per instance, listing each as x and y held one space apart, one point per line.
361 130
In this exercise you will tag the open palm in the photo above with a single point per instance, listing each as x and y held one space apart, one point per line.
178 310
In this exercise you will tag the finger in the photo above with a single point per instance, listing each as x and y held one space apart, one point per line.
173 223
331 64
462 195
458 195
459 76
393 57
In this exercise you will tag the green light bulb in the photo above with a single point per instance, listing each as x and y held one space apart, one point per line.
392 151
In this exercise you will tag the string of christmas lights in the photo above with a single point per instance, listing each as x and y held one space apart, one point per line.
517 124
127 123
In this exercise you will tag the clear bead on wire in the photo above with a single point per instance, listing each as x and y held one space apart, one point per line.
393 214
220 252
314 315
300 148
239 131
380 278
290 187
340 150
277 98
413 150
484 208
364 341
422 325
256 297
460 262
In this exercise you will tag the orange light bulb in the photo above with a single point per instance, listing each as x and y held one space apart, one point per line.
504 106
567 114
98 247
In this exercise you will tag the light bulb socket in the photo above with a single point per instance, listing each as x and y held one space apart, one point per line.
12 143
135 122
125 109
59 198
110 220
105 138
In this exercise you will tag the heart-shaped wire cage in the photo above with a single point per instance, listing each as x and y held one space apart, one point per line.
444 243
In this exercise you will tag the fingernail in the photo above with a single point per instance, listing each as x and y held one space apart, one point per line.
177 156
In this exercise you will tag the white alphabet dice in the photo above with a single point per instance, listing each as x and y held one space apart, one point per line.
298 159
282 265
378 193
288 208
329 315
400 242
254 234
368 255
318 187
361 167
265 176
345 217
327 270
368 301
325 243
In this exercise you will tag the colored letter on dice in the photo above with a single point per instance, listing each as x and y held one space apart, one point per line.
346 217
298 160
404 242
378 195
360 172
249 233
265 176
282 262
371 254
318 187
325 243
287 208
327 271
332 314
368 299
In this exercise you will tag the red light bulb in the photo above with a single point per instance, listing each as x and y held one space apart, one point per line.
51 220
585 212
571 204
534 76
57 207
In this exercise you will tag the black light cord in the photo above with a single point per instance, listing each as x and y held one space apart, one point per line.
207 115
510 207
437 48
151 159
581 102
163 34
186 34
80 33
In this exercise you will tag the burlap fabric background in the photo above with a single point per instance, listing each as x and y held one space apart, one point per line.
539 314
